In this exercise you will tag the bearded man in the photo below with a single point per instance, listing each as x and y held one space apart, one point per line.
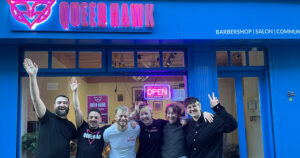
55 130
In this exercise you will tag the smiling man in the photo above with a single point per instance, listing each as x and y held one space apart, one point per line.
121 135
90 141
55 131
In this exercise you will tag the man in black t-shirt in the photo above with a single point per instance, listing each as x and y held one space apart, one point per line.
55 130
90 141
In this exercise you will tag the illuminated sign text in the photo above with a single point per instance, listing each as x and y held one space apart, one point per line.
81 16
157 91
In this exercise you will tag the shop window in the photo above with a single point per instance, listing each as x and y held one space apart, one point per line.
126 91
63 59
173 59
89 59
222 58
148 59
238 58
39 57
123 59
256 58
241 58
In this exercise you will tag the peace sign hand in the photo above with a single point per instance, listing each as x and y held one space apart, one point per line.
213 101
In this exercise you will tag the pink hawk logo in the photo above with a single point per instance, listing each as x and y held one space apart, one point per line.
98 98
31 12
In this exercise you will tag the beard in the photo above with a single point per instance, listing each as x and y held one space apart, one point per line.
62 113
93 125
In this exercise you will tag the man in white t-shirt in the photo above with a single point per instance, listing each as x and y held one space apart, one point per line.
121 136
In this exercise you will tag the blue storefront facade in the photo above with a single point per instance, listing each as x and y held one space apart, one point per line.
231 48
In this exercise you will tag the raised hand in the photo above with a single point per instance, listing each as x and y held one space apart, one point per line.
213 100
74 84
30 67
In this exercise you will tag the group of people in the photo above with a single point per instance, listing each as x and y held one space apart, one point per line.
200 136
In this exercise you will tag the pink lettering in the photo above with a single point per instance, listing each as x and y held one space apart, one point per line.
159 91
92 14
114 14
137 15
64 15
102 15
84 14
75 14
149 20
125 15
164 91
149 92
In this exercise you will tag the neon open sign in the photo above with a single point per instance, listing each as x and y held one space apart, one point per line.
161 91
81 16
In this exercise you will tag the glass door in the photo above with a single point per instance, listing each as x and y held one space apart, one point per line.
241 98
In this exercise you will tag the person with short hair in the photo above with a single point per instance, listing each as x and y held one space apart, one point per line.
173 145
150 139
90 141
122 136
205 140
55 130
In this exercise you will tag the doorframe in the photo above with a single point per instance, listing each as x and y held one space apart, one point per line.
266 111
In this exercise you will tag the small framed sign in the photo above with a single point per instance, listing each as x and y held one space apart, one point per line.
157 105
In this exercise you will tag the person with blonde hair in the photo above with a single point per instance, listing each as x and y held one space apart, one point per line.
121 136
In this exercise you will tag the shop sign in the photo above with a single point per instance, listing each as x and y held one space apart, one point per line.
80 16
157 92
100 102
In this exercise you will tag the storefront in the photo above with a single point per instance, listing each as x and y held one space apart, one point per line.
123 52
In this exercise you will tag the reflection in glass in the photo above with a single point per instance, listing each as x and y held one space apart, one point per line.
238 58
173 59
123 59
256 58
222 58
252 117
63 59
90 59
38 57
148 59
228 99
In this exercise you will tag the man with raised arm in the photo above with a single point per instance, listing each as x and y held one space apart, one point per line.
121 135
55 131
90 141
205 140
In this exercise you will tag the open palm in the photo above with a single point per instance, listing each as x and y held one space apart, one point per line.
74 84
30 67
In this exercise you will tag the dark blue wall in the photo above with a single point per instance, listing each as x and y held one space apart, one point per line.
284 77
9 100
